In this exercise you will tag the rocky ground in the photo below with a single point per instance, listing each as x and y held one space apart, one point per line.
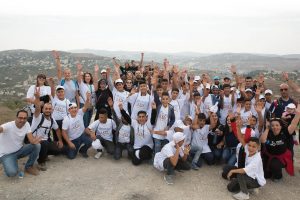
108 179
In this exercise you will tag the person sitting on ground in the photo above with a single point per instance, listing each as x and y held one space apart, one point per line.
172 156
248 171
73 130
12 135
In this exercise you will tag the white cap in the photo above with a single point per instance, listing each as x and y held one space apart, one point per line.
178 136
103 71
261 96
197 78
118 81
189 117
248 90
97 144
268 92
59 87
71 105
291 106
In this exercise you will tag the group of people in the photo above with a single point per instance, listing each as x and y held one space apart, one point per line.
163 116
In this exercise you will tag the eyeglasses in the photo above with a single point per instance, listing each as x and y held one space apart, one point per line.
283 89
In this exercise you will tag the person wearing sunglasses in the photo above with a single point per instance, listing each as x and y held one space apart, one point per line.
278 105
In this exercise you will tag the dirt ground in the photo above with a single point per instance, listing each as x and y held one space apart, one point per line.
109 179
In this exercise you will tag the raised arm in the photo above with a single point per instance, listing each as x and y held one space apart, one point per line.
291 83
79 73
141 68
58 65
96 78
37 102
292 127
259 108
87 102
234 73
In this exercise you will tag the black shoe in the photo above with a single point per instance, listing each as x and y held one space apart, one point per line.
84 154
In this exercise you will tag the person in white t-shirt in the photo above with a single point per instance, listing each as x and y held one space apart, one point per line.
12 135
45 92
103 129
248 172
42 124
199 144
60 106
73 130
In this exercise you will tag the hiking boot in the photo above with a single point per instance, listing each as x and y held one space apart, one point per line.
98 155
32 170
241 196
42 167
169 179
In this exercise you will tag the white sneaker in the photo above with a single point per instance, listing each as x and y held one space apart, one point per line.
241 196
98 155
169 179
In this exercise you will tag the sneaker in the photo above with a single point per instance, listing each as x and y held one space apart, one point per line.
194 166
98 155
169 179
84 154
254 191
32 170
241 196
42 167
21 174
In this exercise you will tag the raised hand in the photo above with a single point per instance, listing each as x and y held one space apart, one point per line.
261 78
79 66
259 107
285 76
233 69
96 68
153 104
37 93
50 80
238 107
55 54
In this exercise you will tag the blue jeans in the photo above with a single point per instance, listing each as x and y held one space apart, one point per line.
217 153
10 161
196 151
159 144
87 116
83 139
229 156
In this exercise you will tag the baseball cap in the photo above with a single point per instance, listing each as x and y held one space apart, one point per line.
261 96
103 71
248 90
59 87
216 78
118 81
268 91
197 78
72 105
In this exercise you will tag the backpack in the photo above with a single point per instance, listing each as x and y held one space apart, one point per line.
62 82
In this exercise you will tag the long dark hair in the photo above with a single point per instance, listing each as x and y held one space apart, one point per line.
41 76
91 81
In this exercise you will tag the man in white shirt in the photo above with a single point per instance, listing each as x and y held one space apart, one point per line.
73 131
12 135
172 156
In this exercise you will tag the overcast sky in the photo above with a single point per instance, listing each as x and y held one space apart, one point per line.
210 26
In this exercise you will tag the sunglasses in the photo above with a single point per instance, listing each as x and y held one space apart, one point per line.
284 89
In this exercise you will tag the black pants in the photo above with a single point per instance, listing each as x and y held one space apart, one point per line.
239 182
108 145
59 123
48 148
144 154
274 170
181 165
119 148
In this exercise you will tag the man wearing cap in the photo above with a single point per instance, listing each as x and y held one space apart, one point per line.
278 105
226 80
42 124
103 74
217 82
172 156
73 130
268 98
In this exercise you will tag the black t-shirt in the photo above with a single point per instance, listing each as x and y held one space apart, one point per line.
277 144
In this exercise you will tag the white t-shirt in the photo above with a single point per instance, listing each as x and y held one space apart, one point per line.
11 139
227 106
44 130
84 88
70 90
199 138
167 151
104 129
44 90
74 126
142 134
139 103
245 115
177 104
120 97
186 130
254 167
124 134
162 122
205 106
60 108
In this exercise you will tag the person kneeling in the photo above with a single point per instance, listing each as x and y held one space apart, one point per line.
172 156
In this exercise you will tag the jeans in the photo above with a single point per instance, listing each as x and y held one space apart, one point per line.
217 153
181 165
229 156
59 123
10 163
87 116
119 148
196 151
83 139
48 148
159 144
